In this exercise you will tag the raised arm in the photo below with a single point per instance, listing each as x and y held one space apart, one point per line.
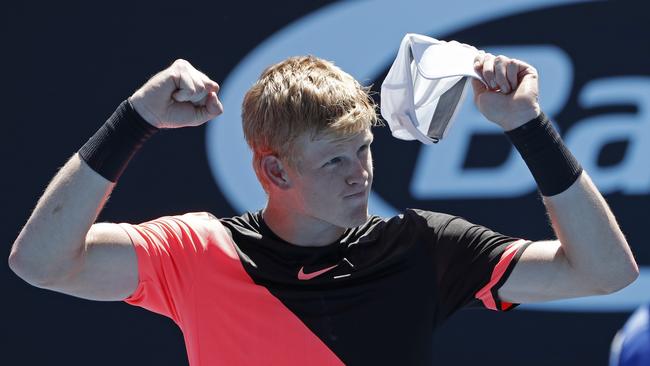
591 255
59 248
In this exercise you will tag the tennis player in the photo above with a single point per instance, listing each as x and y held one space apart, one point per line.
312 278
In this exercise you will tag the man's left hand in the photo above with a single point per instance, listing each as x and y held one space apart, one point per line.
512 97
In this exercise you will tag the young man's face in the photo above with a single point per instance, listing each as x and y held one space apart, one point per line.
333 179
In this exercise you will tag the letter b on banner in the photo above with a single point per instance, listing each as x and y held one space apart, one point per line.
587 137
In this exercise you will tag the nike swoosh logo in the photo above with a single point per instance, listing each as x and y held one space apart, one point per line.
308 276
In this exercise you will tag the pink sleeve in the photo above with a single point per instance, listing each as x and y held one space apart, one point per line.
489 293
168 250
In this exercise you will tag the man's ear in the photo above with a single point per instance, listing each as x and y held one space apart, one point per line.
274 172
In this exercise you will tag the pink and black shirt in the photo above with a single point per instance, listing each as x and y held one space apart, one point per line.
243 296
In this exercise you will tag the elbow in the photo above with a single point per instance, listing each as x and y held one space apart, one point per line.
621 280
15 264
33 273
21 268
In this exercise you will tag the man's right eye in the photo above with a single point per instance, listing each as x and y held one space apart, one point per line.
334 161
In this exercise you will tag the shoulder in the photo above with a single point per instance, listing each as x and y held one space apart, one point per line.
187 227
202 217
247 224
204 230
430 216
417 218
195 220
411 222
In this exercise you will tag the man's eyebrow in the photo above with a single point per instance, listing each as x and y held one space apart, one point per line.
339 143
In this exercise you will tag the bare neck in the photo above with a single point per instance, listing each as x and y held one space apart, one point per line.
299 229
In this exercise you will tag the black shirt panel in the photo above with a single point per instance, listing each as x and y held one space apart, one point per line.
393 282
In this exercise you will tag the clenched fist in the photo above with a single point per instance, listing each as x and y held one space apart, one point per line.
512 97
179 96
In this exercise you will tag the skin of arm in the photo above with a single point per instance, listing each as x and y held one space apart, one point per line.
591 255
60 248
48 257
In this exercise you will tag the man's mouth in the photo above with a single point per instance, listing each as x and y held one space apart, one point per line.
357 194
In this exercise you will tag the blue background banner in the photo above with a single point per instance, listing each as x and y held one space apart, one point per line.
68 65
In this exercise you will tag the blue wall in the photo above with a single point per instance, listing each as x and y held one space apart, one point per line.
67 66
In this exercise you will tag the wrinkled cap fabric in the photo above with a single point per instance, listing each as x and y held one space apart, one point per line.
426 86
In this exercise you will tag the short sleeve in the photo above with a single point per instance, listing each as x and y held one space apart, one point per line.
168 250
471 263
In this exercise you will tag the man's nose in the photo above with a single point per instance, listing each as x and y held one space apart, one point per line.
359 173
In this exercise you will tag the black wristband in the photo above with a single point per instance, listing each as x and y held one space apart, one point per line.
553 166
111 148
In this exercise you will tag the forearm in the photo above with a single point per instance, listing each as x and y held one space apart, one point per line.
59 248
590 236
54 236
591 256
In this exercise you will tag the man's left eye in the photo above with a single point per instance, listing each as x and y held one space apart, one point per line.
334 161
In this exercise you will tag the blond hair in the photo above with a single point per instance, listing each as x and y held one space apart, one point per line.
303 94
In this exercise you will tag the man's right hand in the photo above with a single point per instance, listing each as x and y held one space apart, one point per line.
59 248
179 96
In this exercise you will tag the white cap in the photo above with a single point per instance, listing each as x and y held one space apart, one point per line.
425 87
